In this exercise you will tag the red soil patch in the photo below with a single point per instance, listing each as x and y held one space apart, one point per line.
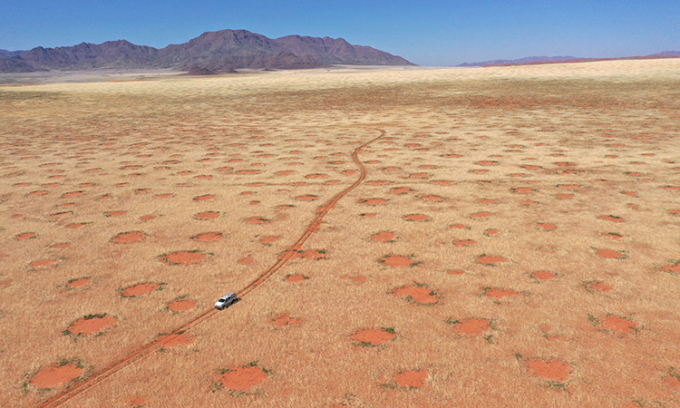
472 327
60 245
26 235
464 242
400 190
140 289
248 172
179 340
147 217
455 272
544 275
243 378
490 259
52 377
373 336
458 226
72 194
136 401
416 217
551 370
482 214
79 283
598 286
316 176
205 197
394 261
128 237
269 239
411 379
248 260
522 190
76 225
611 218
546 226
442 182
499 293
383 236
610 254
419 294
284 172
349 172
373 201
44 263
432 198
308 197
296 278
92 325
368 215
487 201
564 196
487 163
418 175
492 232
114 213
674 212
208 215
672 382
674 268
285 320
183 258
208 237
256 220
165 195
619 324
181 305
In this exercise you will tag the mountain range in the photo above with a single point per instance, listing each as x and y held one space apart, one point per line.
211 52
562 59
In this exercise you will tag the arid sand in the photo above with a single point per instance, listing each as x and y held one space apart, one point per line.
515 243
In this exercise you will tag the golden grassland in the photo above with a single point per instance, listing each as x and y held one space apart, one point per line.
535 209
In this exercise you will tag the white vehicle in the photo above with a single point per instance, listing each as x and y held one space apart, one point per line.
226 300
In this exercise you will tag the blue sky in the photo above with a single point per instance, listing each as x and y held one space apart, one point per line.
424 32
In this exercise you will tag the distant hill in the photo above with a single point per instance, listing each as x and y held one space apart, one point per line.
552 60
526 60
211 52
5 53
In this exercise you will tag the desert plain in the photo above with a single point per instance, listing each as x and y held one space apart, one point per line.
399 237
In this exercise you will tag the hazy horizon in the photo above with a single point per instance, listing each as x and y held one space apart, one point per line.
429 34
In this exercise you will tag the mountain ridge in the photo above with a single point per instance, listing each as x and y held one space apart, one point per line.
210 52
563 59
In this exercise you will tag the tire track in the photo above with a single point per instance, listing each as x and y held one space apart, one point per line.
313 227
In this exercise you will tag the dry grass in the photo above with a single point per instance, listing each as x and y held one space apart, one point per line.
514 162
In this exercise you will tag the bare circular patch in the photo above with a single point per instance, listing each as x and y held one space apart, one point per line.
183 257
129 237
411 379
243 378
619 324
373 337
92 324
490 259
181 305
383 236
471 327
208 237
394 261
208 215
416 217
140 289
52 377
551 370
418 294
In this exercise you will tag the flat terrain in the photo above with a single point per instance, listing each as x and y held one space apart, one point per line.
515 241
